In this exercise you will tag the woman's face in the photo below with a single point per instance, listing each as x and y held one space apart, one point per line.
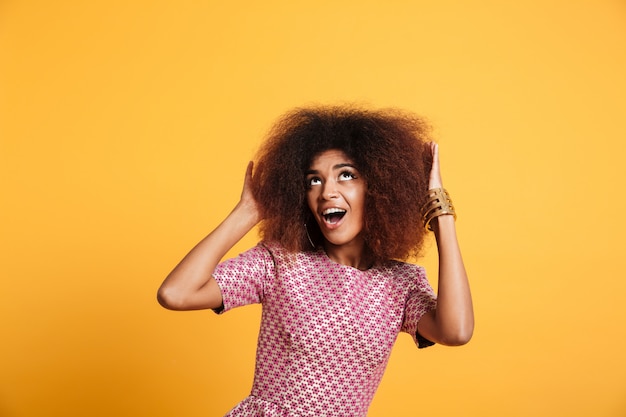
336 197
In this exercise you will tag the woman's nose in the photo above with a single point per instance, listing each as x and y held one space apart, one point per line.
330 190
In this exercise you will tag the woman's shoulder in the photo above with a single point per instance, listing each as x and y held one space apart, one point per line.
277 247
272 246
400 270
279 252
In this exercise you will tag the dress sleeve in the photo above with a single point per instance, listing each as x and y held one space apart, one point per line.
421 299
243 279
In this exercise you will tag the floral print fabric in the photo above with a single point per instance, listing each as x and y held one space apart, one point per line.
327 329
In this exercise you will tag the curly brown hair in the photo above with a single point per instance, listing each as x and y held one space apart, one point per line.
389 147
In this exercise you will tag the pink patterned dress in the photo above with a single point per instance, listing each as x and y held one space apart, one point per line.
326 329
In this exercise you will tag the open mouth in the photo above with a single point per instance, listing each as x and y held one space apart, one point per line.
333 215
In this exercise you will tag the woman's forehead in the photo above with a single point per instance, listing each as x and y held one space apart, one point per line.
331 156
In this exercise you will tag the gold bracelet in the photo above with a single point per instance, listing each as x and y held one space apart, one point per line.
438 204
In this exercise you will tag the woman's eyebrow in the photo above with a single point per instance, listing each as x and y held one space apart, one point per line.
339 166
335 167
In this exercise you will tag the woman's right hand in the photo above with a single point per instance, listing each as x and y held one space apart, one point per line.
247 202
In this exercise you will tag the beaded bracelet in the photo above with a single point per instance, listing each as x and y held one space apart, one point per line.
438 204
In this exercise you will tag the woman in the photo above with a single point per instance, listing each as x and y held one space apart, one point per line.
343 195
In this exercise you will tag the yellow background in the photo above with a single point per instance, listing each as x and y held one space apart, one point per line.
125 129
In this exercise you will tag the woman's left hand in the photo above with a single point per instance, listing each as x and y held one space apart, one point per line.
434 179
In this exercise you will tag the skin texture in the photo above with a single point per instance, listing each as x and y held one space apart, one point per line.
333 182
191 285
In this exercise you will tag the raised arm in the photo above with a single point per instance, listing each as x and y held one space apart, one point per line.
452 322
190 285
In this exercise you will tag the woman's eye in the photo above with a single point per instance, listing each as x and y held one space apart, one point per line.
346 176
313 181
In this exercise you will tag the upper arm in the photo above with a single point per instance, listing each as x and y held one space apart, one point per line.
441 331
426 327
244 279
421 300
209 296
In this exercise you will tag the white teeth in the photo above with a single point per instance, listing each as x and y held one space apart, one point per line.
332 211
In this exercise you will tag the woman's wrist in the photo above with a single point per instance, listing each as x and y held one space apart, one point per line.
438 204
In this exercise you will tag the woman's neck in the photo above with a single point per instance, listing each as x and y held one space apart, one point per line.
353 254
